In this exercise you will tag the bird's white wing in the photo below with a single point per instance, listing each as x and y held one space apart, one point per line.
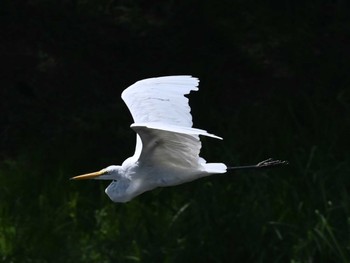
161 100
167 148
161 113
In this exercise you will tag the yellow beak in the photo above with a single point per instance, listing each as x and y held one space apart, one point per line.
88 176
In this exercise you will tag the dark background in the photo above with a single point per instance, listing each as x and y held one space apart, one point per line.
274 83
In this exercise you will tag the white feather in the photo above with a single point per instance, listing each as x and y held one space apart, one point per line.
159 103
174 128
161 100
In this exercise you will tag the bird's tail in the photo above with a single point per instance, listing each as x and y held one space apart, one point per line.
215 168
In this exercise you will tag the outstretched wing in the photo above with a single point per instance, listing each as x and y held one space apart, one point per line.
161 100
166 148
162 119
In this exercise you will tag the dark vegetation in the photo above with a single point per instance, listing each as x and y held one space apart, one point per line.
274 83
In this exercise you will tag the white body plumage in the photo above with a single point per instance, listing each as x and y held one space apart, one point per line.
167 147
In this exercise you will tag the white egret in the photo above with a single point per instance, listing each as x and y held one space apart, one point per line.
167 147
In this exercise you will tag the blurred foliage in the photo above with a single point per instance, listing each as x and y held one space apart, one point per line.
274 82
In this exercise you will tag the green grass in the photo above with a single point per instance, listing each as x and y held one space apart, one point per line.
296 214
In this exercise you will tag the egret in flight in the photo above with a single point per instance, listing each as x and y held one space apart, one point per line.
167 147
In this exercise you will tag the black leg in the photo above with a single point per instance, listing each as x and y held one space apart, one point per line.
264 164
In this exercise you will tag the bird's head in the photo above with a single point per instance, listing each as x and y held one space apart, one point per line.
112 172
117 190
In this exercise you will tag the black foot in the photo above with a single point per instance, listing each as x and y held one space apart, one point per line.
271 162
